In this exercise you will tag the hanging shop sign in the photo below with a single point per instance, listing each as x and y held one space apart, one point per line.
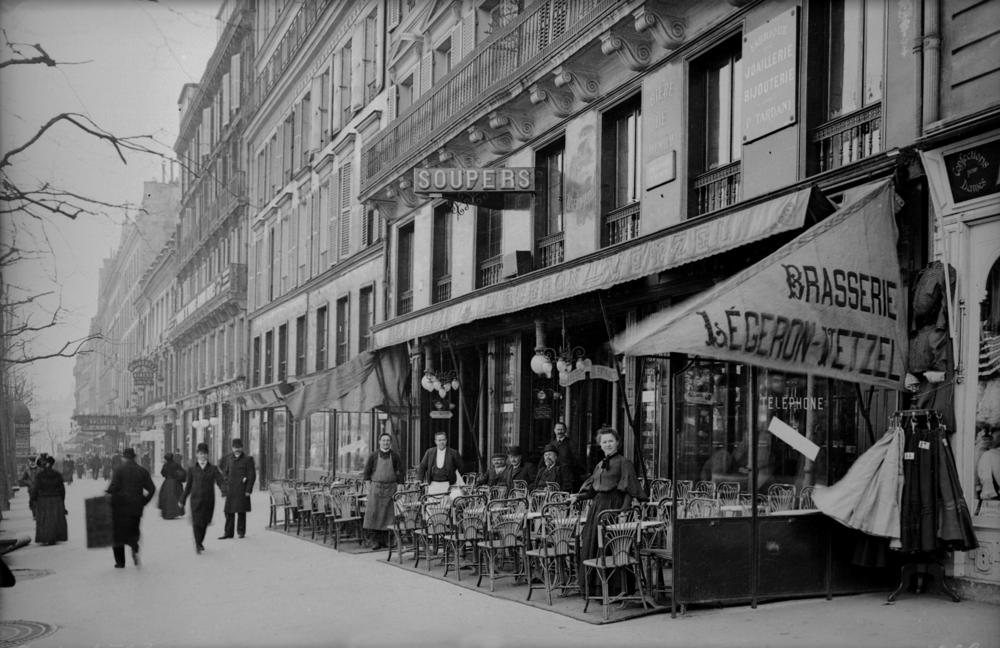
768 65
450 180
974 172
829 303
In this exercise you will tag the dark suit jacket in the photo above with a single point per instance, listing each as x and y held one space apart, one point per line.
452 463
240 474
131 489
200 487
525 472
557 473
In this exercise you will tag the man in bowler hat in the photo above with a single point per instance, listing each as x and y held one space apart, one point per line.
200 487
131 488
240 474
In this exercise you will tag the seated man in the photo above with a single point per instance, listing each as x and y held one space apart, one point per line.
553 471
519 469
496 474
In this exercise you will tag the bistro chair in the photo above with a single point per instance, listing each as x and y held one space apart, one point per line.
316 515
556 552
806 498
520 483
683 486
658 552
470 478
435 526
497 492
702 507
291 497
617 552
279 502
660 488
553 486
537 499
557 496
406 506
468 529
707 487
341 516
517 492
780 497
728 493
506 524
303 507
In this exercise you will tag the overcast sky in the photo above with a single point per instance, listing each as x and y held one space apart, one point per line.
126 63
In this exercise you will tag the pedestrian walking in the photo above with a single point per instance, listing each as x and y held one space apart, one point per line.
200 488
48 498
131 488
172 489
440 467
240 474
385 471
68 468
81 467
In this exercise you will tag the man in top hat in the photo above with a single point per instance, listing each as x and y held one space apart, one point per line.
240 474
518 469
131 488
200 487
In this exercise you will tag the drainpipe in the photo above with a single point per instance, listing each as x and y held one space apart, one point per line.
931 62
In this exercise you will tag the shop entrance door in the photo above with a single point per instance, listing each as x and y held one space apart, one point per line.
590 406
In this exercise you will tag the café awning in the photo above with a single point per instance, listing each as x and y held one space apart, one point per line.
262 398
370 379
677 246
828 303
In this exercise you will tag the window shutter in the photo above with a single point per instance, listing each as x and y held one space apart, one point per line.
379 50
225 100
358 67
427 70
392 20
206 131
335 94
468 33
456 53
345 209
334 215
316 114
392 98
297 143
234 78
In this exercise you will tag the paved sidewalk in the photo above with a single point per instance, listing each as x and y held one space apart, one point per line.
272 590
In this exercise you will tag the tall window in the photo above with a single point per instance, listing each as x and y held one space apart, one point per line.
716 135
256 360
369 58
345 84
404 270
441 263
300 345
282 352
269 357
621 152
549 206
343 329
851 115
272 271
345 209
370 226
366 317
489 235
441 65
321 337
404 94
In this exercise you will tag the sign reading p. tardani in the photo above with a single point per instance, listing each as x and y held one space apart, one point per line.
460 180
769 56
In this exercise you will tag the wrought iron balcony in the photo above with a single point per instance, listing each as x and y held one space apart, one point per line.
716 189
217 302
442 288
489 271
848 139
544 29
551 250
405 302
620 225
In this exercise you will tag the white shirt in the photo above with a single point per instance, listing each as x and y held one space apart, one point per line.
202 464
440 458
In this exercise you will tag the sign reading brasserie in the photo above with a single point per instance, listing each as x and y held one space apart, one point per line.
769 76
459 180
974 172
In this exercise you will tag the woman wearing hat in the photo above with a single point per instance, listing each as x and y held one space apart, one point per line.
48 497
172 489
200 487
384 470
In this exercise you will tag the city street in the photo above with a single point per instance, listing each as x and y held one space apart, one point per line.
272 590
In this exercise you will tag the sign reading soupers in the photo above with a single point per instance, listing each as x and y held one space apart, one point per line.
445 180
828 303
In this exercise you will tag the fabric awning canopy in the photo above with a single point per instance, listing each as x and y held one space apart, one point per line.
829 303
262 398
370 379
689 241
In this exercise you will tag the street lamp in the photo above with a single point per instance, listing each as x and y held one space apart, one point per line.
563 360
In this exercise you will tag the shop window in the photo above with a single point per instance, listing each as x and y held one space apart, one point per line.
851 61
549 245
321 337
507 380
366 317
621 152
441 262
987 466
715 128
282 352
343 329
300 345
269 357
404 270
318 443
489 235
353 442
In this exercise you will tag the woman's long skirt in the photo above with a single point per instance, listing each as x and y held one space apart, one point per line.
603 501
379 513
169 501
50 520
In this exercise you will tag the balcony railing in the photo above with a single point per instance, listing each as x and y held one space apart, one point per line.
489 271
229 286
302 24
717 189
536 35
850 138
620 225
550 250
405 302
442 288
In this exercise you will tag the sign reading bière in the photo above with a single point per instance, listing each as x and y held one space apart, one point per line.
769 76
459 180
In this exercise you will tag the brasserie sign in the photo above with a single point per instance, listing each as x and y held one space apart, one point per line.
446 180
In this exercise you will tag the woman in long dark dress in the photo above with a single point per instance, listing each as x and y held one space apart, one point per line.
384 469
172 490
612 485
48 494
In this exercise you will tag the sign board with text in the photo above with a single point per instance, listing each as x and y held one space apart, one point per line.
768 81
974 172
447 180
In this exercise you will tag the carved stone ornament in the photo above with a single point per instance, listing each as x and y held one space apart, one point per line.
561 103
502 143
667 31
476 134
584 87
519 124
405 192
634 54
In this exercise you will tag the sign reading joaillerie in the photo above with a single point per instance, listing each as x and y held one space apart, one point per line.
769 76
460 180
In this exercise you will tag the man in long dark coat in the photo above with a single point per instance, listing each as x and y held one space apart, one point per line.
200 487
240 474
131 489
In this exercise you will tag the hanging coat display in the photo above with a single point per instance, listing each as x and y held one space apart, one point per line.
930 363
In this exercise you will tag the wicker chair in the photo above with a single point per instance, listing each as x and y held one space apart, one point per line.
506 532
556 552
617 552
468 529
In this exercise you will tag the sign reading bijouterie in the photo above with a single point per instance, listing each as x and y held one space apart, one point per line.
459 180
768 101
974 172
